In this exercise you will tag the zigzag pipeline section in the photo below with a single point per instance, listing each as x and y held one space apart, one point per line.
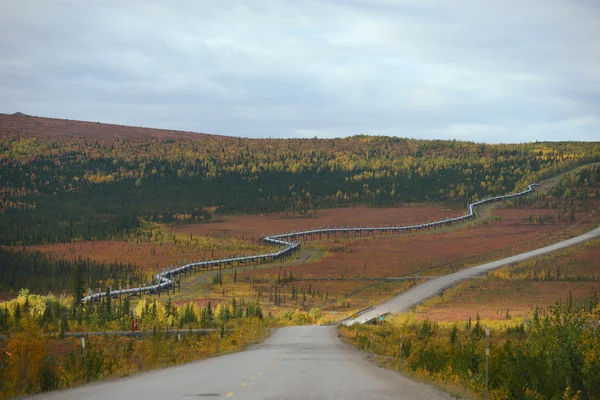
286 240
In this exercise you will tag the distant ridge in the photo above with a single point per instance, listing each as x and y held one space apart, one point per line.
16 125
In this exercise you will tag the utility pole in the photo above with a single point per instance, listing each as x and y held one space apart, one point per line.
487 359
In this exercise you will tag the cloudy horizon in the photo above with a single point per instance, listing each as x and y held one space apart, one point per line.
511 71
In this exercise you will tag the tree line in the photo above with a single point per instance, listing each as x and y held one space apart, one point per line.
45 274
82 188
38 357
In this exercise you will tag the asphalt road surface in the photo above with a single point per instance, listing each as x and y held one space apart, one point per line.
433 287
296 363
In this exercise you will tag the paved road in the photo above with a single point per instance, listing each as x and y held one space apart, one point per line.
303 362
433 287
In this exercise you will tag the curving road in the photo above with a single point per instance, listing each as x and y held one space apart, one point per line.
434 286
302 362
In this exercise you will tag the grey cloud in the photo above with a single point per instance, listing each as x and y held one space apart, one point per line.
483 71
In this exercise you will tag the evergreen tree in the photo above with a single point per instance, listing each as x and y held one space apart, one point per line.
209 312
78 289
108 304
17 315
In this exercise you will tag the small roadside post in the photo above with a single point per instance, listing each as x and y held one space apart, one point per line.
400 353
487 357
84 357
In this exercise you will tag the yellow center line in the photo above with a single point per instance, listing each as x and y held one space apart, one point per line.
243 383
260 373
251 377
229 394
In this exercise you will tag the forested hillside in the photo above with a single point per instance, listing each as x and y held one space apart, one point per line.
57 185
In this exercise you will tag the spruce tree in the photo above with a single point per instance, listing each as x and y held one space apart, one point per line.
78 290
209 312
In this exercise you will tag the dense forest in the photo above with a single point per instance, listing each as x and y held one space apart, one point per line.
55 188
581 185
41 273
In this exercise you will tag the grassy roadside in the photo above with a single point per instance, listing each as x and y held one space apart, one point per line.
32 363
555 355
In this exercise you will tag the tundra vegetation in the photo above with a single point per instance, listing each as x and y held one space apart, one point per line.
555 355
86 205
58 187
543 314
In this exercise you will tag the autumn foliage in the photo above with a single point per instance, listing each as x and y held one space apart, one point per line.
555 355
41 354
59 187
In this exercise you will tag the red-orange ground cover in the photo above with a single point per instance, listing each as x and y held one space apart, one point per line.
518 289
428 253
248 226
36 126
491 299
113 251
145 255
508 231
433 252
154 255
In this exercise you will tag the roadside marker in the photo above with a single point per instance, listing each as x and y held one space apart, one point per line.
487 357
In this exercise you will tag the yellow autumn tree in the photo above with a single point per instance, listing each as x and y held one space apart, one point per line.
25 351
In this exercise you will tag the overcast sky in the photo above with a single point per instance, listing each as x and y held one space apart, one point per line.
491 71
